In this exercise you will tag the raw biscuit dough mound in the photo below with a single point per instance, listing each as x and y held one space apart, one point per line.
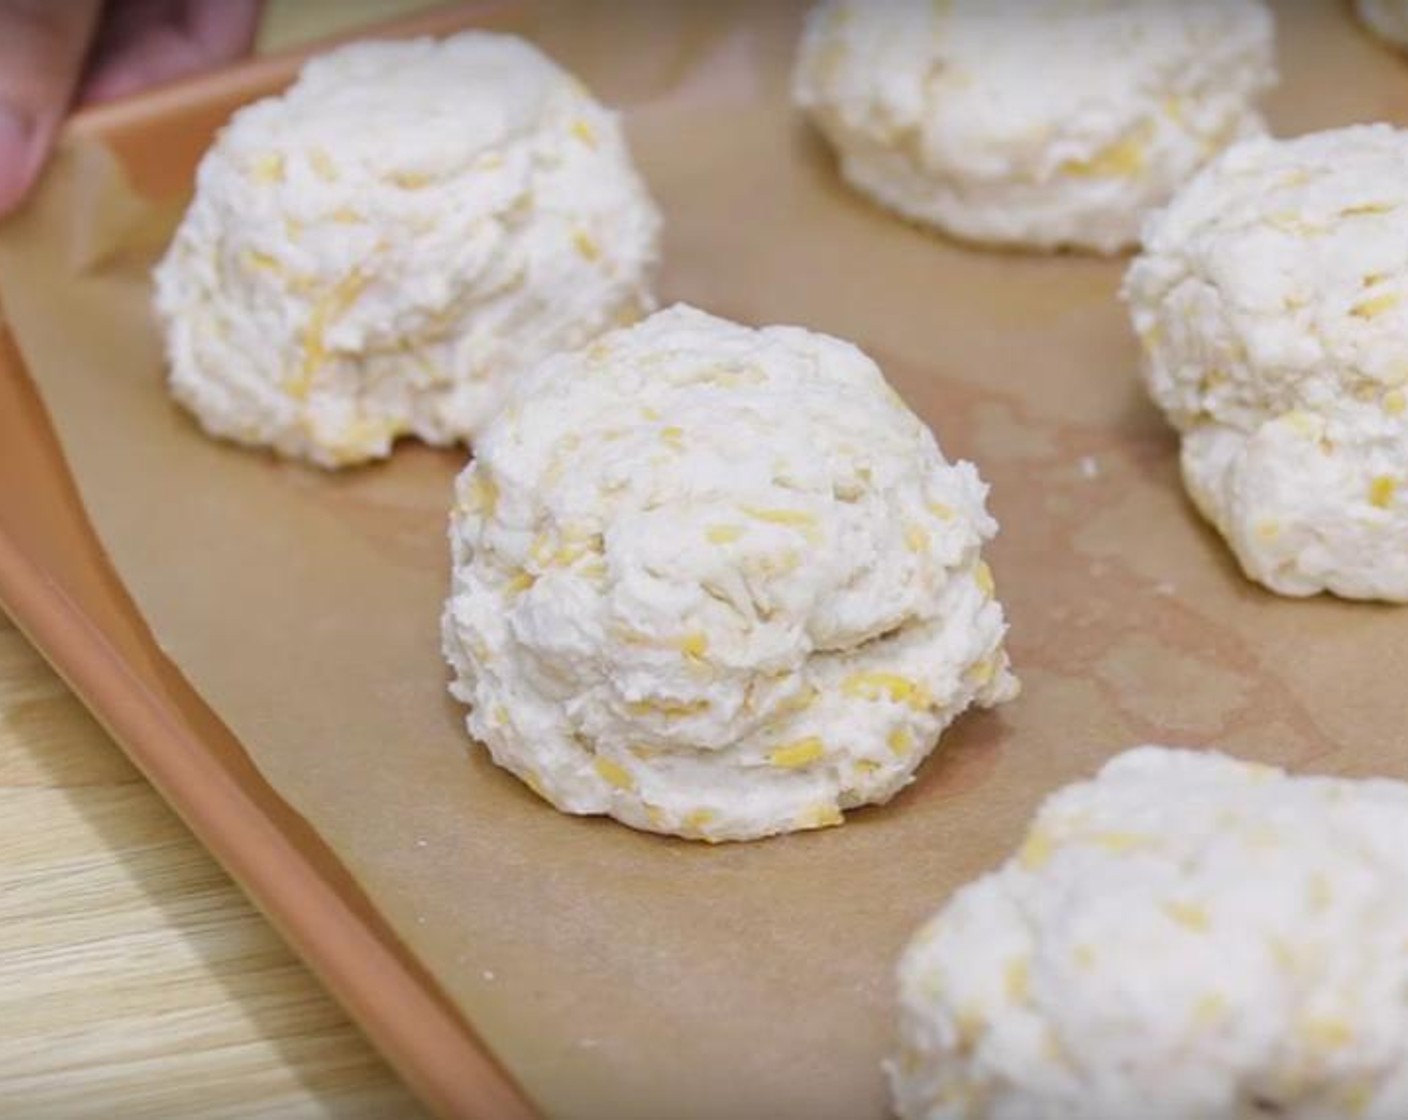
1386 18
1272 302
1187 937
718 582
1032 124
381 250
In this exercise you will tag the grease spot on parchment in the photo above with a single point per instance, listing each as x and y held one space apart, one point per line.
1166 687
999 431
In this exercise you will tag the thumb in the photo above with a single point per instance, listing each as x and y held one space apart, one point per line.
42 47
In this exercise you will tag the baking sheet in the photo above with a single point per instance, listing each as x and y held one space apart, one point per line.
623 975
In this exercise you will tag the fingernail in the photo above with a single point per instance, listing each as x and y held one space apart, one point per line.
16 156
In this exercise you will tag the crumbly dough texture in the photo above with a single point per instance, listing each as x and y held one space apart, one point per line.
379 251
1386 18
718 582
1270 301
1187 937
1032 124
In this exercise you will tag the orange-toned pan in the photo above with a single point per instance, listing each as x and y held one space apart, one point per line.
57 585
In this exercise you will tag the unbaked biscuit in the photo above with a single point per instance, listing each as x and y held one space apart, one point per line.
718 582
381 250
1187 937
1270 302
1041 125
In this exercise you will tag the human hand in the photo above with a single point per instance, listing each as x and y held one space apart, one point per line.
55 54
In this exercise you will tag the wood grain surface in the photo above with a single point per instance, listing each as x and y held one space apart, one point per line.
136 980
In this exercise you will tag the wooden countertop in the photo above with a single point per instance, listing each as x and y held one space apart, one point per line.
136 980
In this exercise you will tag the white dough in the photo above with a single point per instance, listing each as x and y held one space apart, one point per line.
1187 937
381 250
1386 18
718 582
1042 124
1270 300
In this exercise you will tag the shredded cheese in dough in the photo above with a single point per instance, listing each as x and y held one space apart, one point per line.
460 206
713 658
1190 973
1043 125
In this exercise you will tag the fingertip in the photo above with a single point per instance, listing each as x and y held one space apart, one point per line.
158 43
42 46
111 82
225 28
18 157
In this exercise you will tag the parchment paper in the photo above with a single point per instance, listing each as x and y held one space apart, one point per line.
623 975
